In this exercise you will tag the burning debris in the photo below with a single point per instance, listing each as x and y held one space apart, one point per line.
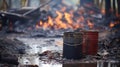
61 16
43 25
72 19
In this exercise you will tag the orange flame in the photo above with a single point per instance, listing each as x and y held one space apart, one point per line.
65 20
59 22
90 24
45 25
41 23
111 25
103 11
50 21
68 18
37 26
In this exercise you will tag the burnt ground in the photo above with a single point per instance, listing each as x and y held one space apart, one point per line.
44 48
26 49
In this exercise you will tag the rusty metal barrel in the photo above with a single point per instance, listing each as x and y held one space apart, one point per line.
90 42
72 47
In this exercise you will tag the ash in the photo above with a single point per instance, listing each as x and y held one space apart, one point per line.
47 51
28 45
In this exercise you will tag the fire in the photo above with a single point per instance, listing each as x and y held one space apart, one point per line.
59 22
45 25
80 19
50 21
37 26
41 23
59 14
103 11
112 24
66 20
90 24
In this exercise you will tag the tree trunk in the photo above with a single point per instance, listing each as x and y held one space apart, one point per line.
9 2
107 8
101 4
118 3
4 5
23 2
114 7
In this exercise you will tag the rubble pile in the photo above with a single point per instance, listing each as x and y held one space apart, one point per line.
10 49
38 34
10 46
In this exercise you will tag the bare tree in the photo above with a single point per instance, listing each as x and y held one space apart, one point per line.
107 8
118 3
4 5
114 7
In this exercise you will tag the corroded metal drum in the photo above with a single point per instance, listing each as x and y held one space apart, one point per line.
72 48
90 42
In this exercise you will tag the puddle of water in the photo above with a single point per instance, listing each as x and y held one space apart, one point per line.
29 60
98 64
31 57
50 65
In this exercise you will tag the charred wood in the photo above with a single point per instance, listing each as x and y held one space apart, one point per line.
9 59
10 46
